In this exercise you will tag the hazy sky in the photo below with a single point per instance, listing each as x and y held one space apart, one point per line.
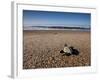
48 18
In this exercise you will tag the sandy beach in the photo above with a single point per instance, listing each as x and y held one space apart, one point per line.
41 49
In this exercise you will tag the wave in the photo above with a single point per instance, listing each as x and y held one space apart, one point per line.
56 28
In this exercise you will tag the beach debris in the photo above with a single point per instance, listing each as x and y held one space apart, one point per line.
69 51
74 51
66 51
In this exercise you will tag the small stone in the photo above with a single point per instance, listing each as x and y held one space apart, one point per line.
86 64
48 62
50 58
33 66
53 61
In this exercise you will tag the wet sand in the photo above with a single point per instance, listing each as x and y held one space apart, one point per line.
41 49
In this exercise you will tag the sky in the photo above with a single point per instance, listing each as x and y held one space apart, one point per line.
48 18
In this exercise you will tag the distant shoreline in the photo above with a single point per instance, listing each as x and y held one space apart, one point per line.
61 30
